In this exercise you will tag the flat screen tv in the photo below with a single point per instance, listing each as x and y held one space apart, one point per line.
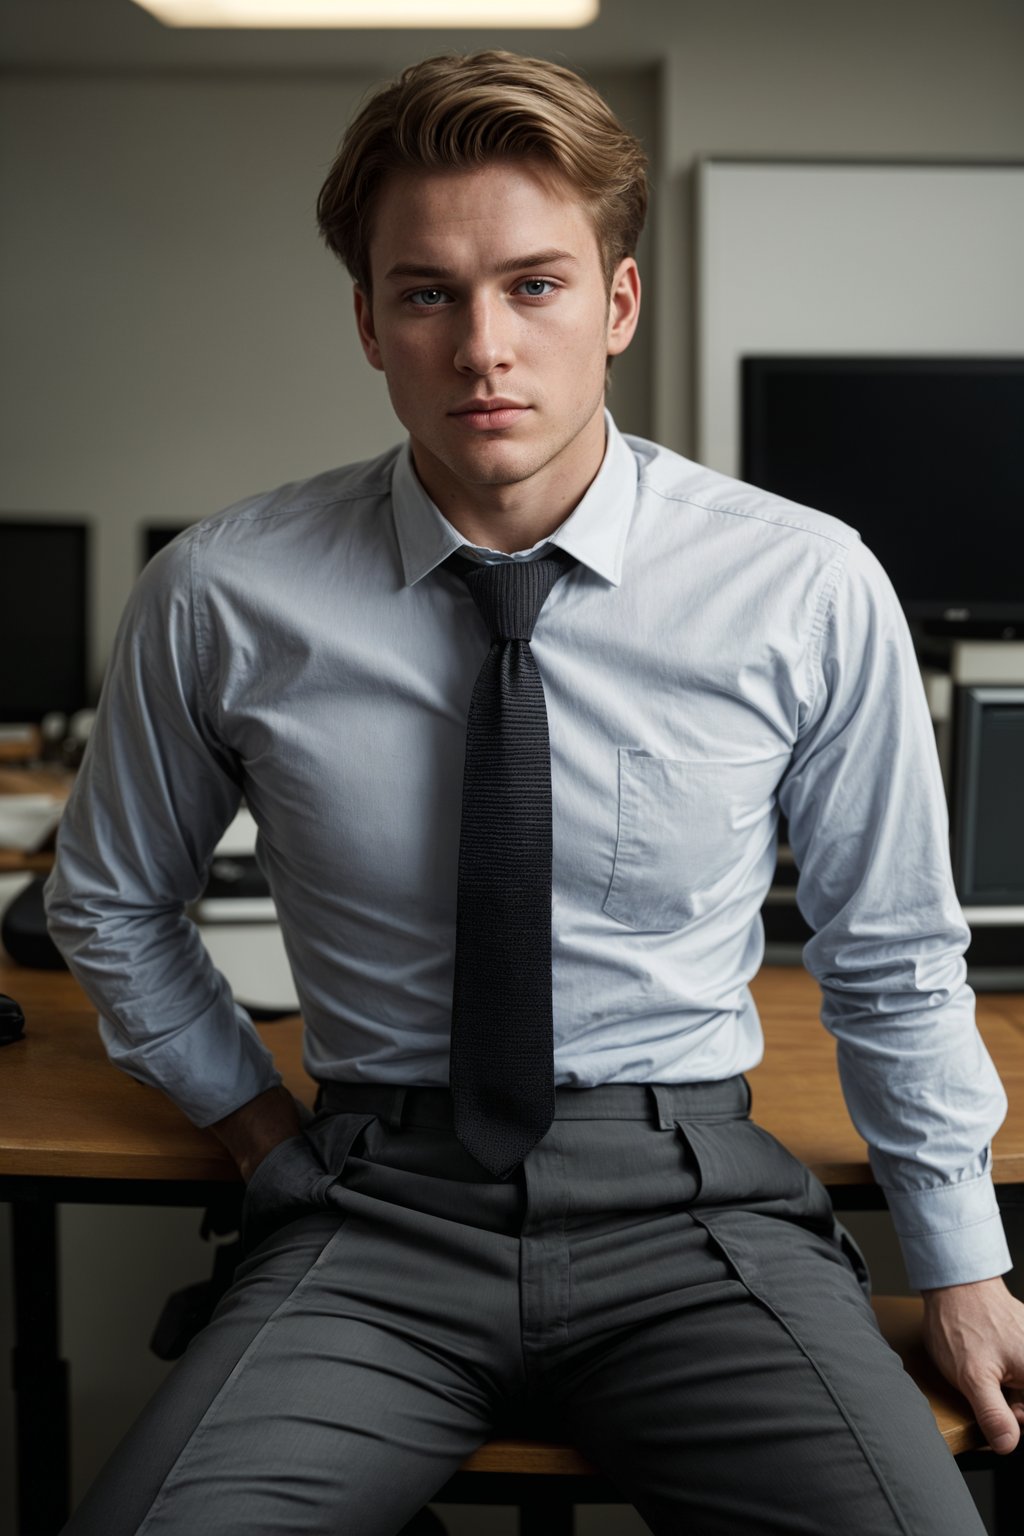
924 456
44 580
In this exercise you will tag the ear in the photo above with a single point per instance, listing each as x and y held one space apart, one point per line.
623 306
365 327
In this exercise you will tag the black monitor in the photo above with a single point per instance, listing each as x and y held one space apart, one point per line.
156 535
987 825
921 455
44 646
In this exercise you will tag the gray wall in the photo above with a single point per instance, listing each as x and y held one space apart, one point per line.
923 78
176 335
175 338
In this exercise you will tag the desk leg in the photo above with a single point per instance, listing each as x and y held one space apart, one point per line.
543 1518
40 1375
1008 1501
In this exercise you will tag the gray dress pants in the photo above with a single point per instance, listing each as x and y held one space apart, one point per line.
660 1283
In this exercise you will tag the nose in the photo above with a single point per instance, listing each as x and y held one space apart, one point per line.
484 343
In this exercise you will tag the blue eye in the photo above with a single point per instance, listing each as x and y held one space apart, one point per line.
537 287
428 298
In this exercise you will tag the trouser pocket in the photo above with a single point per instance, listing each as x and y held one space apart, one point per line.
295 1175
742 1165
761 1204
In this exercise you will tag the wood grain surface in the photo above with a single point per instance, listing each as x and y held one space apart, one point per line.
65 1111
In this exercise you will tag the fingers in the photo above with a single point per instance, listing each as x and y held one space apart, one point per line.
998 1421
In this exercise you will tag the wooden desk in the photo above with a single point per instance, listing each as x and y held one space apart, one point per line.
66 1113
31 781
72 1127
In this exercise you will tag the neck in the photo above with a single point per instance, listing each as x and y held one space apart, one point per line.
517 515
502 520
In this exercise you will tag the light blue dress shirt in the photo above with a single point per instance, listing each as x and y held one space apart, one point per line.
718 652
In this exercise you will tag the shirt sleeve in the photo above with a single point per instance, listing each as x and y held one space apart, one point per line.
869 831
154 794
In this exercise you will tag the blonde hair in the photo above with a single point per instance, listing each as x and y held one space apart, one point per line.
459 111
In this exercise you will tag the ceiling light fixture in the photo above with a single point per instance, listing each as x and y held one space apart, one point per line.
372 13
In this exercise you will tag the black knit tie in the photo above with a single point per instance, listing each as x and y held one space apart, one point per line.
501 1067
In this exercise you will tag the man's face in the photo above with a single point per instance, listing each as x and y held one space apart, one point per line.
492 322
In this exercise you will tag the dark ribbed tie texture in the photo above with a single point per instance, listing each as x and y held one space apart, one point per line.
502 1048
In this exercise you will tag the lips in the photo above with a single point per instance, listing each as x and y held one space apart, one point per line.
492 415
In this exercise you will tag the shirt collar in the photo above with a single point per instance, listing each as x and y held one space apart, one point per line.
594 532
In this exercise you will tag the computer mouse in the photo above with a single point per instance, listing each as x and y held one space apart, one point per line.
12 1020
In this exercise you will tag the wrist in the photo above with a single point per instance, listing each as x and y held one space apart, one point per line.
936 1294
255 1128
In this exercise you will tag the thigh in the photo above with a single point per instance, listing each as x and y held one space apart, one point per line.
724 1366
311 1403
765 1401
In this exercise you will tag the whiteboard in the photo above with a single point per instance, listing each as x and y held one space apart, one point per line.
895 259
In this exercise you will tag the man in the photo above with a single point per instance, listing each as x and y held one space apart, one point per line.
532 1194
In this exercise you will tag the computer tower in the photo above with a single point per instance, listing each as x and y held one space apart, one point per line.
988 797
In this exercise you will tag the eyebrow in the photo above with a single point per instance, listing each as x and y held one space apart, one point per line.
513 264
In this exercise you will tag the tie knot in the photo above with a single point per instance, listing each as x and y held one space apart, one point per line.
511 593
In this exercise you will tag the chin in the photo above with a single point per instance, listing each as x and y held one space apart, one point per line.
495 463
510 471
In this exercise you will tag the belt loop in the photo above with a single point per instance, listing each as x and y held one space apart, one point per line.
394 1115
661 1093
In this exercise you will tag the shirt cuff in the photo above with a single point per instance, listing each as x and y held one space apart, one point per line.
950 1234
208 1069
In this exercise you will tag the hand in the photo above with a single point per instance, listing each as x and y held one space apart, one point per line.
975 1335
254 1129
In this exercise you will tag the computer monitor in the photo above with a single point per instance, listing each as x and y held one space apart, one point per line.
921 455
44 629
987 821
156 535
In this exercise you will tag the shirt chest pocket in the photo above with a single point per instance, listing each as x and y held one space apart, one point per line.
683 827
